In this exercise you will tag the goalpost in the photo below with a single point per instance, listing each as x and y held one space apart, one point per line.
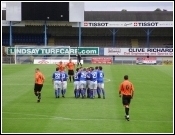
24 54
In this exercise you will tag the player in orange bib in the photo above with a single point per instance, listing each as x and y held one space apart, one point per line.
70 65
39 80
126 91
61 66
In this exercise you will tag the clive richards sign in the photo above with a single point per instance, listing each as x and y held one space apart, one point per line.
138 51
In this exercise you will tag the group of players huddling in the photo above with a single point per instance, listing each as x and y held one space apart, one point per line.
88 82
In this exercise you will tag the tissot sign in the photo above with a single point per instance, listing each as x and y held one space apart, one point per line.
96 24
124 24
146 24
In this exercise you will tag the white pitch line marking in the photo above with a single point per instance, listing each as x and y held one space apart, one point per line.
107 80
74 119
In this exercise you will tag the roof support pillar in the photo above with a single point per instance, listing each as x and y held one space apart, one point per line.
45 33
10 34
79 34
148 32
114 33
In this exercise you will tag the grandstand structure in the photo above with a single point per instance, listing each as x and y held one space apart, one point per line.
64 34
69 33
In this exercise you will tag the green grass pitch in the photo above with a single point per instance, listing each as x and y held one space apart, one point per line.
151 109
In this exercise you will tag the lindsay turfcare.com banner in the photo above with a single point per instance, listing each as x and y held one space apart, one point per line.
52 50
138 51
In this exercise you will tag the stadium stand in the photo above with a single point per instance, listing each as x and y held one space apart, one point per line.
33 33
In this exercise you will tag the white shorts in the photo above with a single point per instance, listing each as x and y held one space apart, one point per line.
88 84
76 85
57 84
93 85
82 84
100 85
64 85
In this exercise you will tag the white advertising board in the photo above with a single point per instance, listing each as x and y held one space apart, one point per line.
124 24
52 61
138 51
